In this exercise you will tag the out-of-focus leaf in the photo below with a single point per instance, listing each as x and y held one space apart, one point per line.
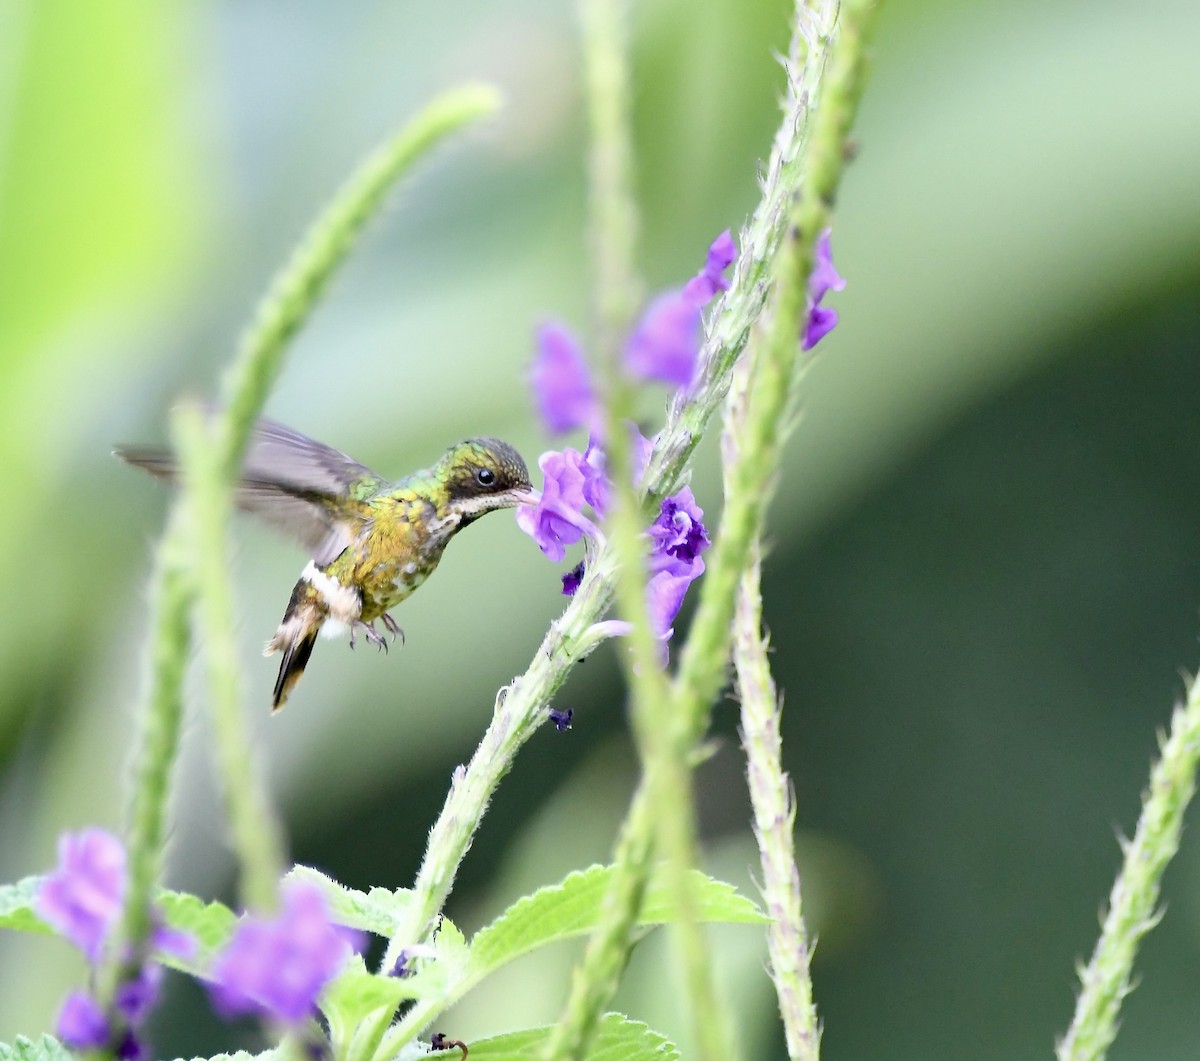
16 907
43 1049
378 911
617 1039
573 908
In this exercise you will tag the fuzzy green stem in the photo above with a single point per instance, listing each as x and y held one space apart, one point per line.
774 821
737 311
158 747
613 215
596 979
703 662
613 224
256 834
302 281
1132 912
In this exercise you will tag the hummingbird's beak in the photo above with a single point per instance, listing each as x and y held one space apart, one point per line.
526 497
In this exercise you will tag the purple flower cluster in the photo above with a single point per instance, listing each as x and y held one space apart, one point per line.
575 481
279 966
83 899
664 346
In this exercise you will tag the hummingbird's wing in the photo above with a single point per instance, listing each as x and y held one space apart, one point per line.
307 490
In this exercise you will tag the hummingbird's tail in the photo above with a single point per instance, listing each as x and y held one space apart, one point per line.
295 659
295 639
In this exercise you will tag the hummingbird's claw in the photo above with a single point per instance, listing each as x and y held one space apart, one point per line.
393 627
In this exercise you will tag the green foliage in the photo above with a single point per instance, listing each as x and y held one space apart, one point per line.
16 907
44 1049
378 911
572 908
209 924
617 1039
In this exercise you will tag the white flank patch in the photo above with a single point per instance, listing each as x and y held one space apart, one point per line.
344 604
332 628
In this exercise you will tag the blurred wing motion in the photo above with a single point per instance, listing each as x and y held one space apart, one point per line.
305 489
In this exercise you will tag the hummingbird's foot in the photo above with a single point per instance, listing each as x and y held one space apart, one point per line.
373 636
393 627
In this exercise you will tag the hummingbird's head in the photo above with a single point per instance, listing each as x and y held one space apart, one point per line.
482 474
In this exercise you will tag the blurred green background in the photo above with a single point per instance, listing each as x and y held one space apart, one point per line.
985 573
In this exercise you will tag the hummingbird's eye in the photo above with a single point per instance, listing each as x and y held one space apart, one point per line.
485 477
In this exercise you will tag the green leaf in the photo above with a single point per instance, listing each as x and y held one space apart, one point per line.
617 1039
44 1049
241 1055
572 908
209 924
16 908
378 911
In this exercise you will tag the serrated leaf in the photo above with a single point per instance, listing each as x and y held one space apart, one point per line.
44 1049
573 907
209 924
378 911
16 907
241 1055
617 1039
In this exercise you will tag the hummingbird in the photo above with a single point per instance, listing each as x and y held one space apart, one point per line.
371 542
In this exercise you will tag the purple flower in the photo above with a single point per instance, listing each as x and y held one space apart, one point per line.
821 320
135 998
82 898
562 719
666 341
572 579
82 1024
560 381
703 287
557 520
131 1048
678 535
279 966
678 538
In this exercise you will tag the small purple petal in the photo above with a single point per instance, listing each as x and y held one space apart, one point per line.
562 719
134 999
132 1048
173 943
559 378
82 898
572 579
280 966
825 277
400 967
821 321
666 342
82 1024
664 597
597 490
703 287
